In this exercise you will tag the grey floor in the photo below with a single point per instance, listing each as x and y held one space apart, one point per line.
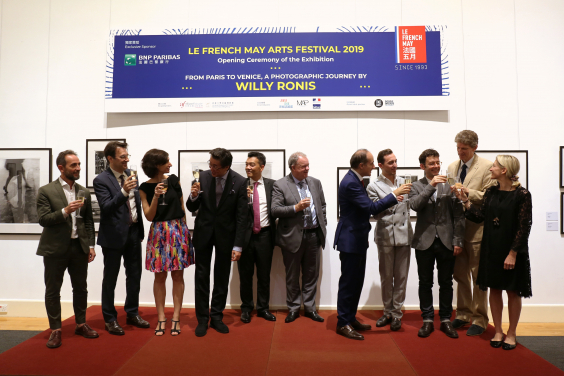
11 338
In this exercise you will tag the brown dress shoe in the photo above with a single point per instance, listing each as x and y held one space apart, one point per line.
447 328
348 332
137 321
54 339
426 330
358 326
86 331
396 324
383 321
114 328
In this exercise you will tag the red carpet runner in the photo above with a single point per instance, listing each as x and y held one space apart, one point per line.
267 348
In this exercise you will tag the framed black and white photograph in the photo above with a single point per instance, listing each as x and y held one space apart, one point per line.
342 171
521 155
415 173
22 172
95 160
561 166
192 160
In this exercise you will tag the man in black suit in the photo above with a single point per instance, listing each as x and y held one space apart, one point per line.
259 240
120 235
220 223
66 243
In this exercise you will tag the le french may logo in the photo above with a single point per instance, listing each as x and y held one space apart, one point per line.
411 44
130 59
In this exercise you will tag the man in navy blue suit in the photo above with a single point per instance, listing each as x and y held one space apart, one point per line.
120 236
351 238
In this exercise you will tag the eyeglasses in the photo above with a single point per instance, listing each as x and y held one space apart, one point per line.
434 164
214 167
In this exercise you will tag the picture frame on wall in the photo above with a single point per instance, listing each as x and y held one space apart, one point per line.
561 166
521 155
95 159
188 160
416 173
22 172
342 171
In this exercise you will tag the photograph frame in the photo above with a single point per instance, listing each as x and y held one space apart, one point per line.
562 213
277 170
413 171
342 171
561 166
22 204
522 155
91 161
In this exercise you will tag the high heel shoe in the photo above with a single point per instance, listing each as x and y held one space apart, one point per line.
160 331
507 346
174 331
496 344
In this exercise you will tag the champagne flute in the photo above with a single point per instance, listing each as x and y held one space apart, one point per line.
450 181
196 174
133 173
407 180
458 185
251 187
164 182
80 196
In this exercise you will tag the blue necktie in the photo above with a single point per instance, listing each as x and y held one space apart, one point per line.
307 211
463 173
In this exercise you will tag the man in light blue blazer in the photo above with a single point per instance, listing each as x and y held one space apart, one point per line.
351 239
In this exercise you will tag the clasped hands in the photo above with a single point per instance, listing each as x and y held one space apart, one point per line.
403 189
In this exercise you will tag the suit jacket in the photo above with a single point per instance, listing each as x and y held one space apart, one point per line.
390 228
57 229
268 185
356 208
228 220
285 195
443 216
478 179
114 213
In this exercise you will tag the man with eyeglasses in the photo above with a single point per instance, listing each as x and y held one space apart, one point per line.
120 235
220 198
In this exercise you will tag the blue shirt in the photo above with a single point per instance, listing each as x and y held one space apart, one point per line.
312 206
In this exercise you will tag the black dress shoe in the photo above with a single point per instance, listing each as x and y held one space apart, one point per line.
86 331
54 339
246 317
475 330
348 332
201 330
314 316
114 328
266 315
496 344
446 328
426 329
383 321
396 324
219 326
358 326
457 324
137 321
507 346
292 316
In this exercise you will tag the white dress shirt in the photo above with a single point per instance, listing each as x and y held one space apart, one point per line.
70 194
131 194
468 164
264 221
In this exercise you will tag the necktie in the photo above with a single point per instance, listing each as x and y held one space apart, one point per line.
463 173
218 190
256 210
307 211
130 221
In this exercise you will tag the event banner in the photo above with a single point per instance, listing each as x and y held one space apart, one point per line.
398 68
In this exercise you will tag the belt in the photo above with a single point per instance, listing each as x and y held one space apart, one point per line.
264 229
310 230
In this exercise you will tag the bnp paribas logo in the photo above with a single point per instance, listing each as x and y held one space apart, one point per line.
130 59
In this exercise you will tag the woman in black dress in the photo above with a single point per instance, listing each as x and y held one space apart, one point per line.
169 246
504 257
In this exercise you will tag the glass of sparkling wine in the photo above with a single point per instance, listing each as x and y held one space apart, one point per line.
458 185
450 181
164 182
80 196
407 180
196 174
251 187
133 173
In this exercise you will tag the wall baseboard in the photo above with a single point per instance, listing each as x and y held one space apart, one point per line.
36 308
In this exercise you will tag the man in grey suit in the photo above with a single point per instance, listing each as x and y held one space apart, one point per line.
393 237
439 236
66 243
299 203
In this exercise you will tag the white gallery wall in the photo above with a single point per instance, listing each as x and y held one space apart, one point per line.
506 84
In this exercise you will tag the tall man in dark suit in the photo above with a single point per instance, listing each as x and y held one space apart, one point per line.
221 221
438 237
259 240
299 203
120 235
67 242
351 238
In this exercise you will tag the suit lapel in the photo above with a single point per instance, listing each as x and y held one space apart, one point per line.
59 189
425 183
227 188
268 191
384 186
113 179
293 188
472 170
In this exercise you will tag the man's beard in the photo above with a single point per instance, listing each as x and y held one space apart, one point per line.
70 176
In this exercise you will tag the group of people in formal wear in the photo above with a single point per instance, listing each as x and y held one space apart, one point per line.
475 232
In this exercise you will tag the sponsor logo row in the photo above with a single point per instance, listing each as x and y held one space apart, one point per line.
314 103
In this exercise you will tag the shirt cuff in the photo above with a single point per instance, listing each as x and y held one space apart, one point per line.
394 195
124 192
238 249
65 214
193 198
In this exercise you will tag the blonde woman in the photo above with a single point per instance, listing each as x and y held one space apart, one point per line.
504 259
